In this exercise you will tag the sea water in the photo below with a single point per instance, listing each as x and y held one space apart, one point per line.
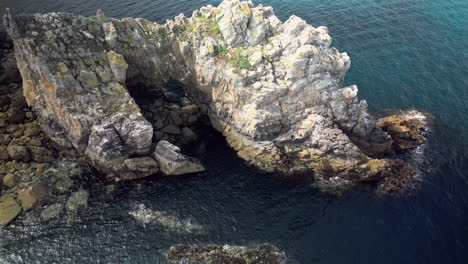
405 53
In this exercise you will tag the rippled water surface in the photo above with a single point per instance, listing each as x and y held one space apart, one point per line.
405 53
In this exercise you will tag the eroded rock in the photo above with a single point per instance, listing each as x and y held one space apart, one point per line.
9 209
172 162
275 90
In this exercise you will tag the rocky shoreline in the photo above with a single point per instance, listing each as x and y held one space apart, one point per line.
32 171
92 93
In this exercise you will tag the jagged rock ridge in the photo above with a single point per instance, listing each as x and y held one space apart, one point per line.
273 89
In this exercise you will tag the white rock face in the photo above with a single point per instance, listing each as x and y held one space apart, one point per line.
275 90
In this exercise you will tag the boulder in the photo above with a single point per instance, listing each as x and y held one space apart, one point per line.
172 162
18 153
140 167
9 209
32 130
4 153
11 180
406 129
34 196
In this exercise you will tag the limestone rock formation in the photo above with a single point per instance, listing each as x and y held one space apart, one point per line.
275 90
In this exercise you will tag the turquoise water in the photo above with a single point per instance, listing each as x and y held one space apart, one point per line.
405 53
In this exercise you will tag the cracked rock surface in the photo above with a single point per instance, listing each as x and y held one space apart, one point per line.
275 90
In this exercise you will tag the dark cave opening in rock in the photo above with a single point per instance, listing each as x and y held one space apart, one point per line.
174 116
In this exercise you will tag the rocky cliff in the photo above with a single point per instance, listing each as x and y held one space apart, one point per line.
275 90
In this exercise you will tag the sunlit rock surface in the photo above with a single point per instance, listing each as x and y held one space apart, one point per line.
275 90
174 163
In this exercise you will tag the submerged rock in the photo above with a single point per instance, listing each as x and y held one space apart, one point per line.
77 200
9 209
172 162
170 222
406 129
275 90
218 254
51 212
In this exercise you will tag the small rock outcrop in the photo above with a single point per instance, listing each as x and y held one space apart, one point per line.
172 162
275 90
219 254
77 200
169 222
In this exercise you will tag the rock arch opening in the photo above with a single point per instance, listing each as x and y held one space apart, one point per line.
173 115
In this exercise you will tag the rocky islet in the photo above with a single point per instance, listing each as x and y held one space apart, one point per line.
218 254
95 88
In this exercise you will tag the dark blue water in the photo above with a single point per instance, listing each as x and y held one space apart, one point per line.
405 53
